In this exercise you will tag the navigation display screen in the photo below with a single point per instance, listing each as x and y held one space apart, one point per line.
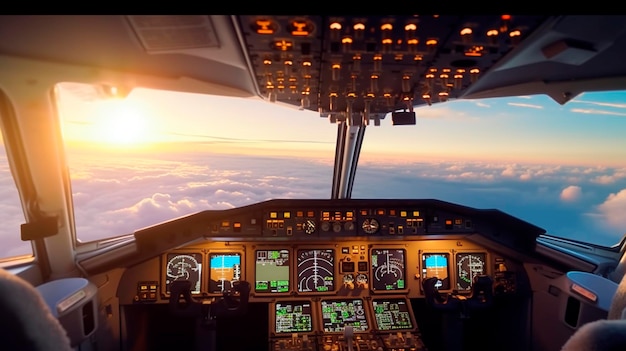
388 270
468 266
184 266
293 317
436 265
316 270
271 271
224 268
392 314
336 314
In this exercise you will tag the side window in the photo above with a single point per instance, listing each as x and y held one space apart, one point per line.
11 213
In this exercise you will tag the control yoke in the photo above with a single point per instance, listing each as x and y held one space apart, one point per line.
233 302
480 298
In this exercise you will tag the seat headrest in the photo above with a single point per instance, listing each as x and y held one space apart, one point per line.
26 320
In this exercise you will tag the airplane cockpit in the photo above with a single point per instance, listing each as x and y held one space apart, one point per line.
381 267
358 268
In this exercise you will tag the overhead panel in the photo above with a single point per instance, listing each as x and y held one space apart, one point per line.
365 67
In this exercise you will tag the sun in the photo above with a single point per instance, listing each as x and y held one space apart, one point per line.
120 122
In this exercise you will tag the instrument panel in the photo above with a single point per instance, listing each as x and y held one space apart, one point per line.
350 268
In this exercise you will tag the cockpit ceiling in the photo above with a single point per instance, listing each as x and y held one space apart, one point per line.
367 65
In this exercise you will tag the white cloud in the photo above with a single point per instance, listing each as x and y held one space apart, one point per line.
613 208
571 193
524 105
597 112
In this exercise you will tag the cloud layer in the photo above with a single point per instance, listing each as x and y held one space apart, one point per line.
138 192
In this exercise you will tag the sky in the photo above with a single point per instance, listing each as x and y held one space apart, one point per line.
562 168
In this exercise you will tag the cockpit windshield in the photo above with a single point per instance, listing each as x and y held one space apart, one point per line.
159 155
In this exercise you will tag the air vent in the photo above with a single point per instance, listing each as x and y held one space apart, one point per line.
166 33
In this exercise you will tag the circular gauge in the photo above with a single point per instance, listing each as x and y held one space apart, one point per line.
325 226
309 226
388 269
370 226
348 226
184 267
361 280
348 280
316 270
469 265
336 227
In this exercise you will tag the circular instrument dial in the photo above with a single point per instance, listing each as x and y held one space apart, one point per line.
469 265
370 226
316 270
184 267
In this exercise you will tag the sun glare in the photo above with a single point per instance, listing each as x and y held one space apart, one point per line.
118 122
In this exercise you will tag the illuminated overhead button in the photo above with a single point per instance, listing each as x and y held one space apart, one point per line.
466 35
475 51
305 102
300 28
306 68
346 44
504 24
356 63
264 27
474 74
443 78
286 214
378 62
283 45
359 29
406 83
427 99
288 66
387 43
443 96
374 83
412 44
431 45
332 101
492 36
410 29
430 81
515 36
335 31
336 71
416 213
388 99
458 80
273 214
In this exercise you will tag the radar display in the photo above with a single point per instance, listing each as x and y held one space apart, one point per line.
316 270
388 270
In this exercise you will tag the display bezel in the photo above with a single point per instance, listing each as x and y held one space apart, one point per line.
451 268
296 271
242 266
375 326
372 273
272 316
486 270
290 265
366 310
165 257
